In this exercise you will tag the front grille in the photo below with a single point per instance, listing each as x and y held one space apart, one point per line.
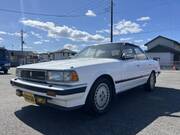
33 75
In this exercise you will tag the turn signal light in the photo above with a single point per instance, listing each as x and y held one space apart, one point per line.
74 76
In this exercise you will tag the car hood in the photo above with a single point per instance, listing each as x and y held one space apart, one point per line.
68 63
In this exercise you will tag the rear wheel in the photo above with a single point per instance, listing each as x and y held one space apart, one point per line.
150 85
100 97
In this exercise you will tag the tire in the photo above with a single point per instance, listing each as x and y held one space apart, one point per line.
5 71
100 97
150 85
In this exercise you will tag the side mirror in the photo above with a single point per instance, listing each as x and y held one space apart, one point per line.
126 56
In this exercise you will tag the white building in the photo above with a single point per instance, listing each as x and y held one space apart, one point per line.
62 54
57 55
165 50
43 57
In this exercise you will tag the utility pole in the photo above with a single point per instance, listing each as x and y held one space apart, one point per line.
22 44
111 20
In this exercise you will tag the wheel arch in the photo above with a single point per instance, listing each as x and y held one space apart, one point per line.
109 77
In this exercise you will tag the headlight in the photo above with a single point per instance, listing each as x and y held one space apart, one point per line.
62 76
18 73
55 76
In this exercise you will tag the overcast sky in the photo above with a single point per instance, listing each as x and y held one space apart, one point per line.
75 24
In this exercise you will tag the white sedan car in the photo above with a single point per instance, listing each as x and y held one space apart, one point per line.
91 79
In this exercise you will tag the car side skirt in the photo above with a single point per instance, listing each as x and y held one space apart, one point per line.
130 79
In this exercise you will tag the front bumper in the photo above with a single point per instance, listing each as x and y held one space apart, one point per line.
65 96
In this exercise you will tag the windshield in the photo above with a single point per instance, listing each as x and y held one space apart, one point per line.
3 55
101 51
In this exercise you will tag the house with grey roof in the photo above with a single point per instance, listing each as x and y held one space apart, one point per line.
165 50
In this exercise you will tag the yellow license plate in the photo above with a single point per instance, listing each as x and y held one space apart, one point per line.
29 97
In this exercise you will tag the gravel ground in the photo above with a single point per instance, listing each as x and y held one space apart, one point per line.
134 112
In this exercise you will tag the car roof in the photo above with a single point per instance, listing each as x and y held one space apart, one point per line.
119 43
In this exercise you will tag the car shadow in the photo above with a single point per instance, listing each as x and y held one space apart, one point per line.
132 111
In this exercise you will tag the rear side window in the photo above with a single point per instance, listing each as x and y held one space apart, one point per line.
140 55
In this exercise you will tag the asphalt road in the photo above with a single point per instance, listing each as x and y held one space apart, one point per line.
134 112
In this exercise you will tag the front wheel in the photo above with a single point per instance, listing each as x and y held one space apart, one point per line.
100 97
150 85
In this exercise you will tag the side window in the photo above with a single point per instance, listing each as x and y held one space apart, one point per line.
140 54
100 53
128 53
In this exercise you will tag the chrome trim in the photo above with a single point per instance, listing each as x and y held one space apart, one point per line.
65 83
31 70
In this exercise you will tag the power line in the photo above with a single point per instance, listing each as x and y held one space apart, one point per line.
50 15
91 3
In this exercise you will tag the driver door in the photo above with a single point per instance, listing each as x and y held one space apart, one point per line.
128 69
